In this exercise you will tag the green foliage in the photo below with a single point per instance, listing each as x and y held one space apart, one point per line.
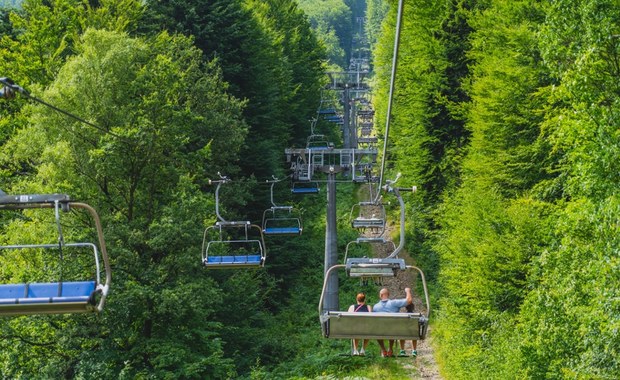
376 10
267 55
143 168
527 236
47 32
332 21
504 116
571 313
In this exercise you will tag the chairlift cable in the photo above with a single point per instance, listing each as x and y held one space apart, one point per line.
399 17
11 87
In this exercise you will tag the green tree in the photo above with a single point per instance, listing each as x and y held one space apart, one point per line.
332 21
275 71
165 121
577 283
302 60
376 11
46 33
491 229
43 34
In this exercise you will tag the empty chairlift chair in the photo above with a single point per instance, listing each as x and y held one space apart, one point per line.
232 244
68 289
358 264
318 142
326 111
229 245
280 220
368 215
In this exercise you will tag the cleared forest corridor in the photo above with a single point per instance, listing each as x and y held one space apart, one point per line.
176 177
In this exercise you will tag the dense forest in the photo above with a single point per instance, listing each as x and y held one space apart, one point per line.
504 116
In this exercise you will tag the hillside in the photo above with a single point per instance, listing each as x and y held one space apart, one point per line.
503 116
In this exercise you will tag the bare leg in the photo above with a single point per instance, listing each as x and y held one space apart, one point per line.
402 352
382 345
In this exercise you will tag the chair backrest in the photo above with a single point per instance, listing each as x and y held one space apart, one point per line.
347 325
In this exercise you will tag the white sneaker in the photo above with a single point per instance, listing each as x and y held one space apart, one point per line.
355 353
362 352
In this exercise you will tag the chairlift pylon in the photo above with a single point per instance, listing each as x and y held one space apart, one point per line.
62 296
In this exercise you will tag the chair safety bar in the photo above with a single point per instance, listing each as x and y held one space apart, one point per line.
374 267
346 325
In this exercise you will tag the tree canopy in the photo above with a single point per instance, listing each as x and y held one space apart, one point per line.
504 116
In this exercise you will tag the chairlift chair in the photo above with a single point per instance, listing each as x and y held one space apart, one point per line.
318 142
280 220
374 325
229 245
232 244
61 296
327 111
370 215
358 266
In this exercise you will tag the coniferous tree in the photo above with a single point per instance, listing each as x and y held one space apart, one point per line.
256 66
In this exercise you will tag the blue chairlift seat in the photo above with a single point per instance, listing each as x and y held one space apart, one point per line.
234 260
45 298
242 252
282 231
312 189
